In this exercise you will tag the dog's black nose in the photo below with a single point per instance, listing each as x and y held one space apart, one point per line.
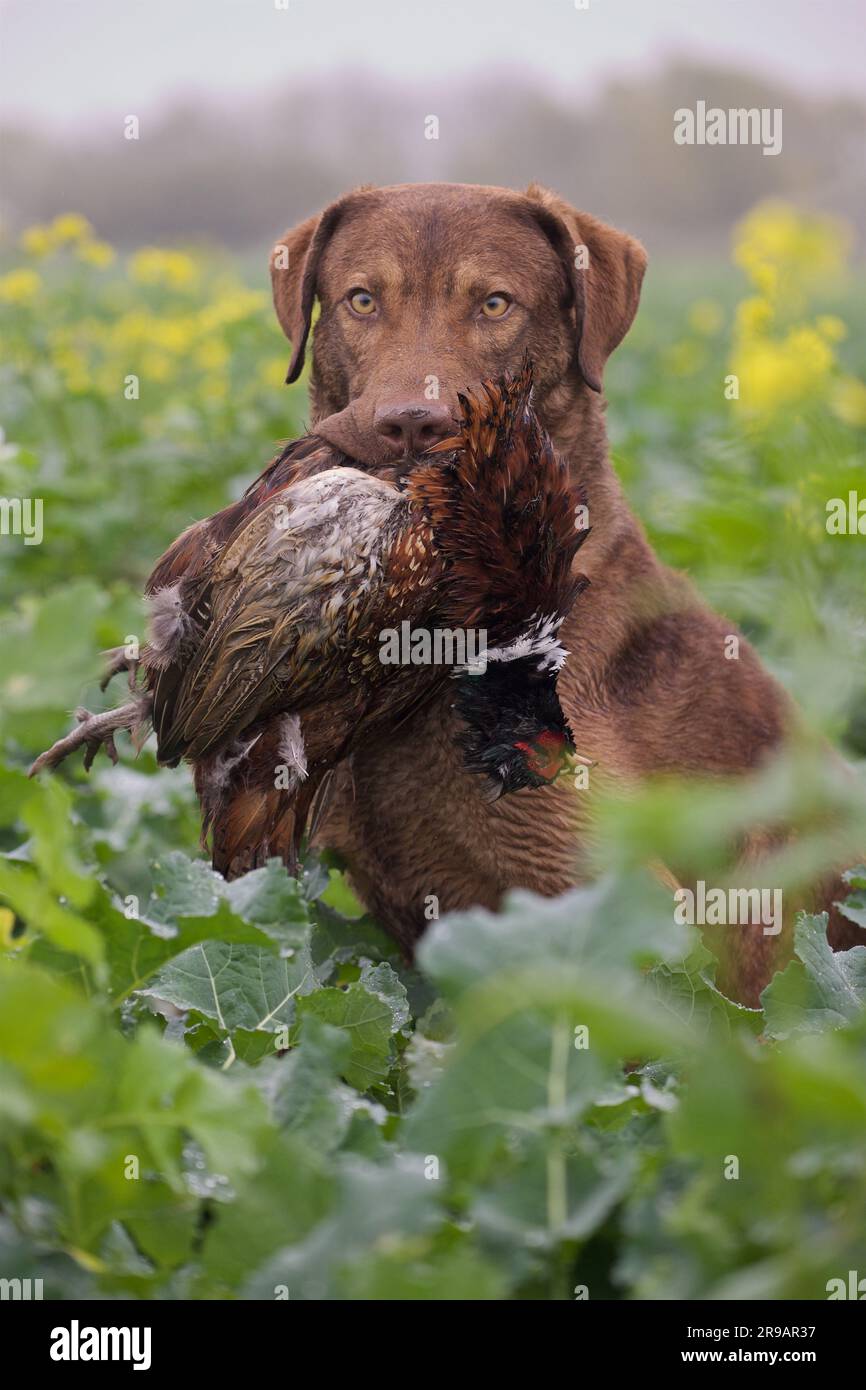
410 427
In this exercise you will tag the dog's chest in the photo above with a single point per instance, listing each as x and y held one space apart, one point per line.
420 839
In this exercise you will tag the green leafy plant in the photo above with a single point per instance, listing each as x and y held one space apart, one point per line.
213 1090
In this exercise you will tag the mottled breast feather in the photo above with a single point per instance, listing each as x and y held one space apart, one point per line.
287 604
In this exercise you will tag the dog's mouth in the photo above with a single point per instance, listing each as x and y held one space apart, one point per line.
393 470
354 448
366 450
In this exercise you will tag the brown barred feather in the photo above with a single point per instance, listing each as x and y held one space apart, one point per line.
503 513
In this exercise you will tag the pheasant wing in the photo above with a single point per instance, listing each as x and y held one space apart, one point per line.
286 602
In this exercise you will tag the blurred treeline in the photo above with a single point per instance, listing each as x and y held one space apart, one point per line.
240 175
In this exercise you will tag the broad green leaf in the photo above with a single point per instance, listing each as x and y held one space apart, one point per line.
109 1119
854 905
239 987
610 925
423 1269
303 1087
373 1206
39 909
821 989
368 1020
289 1195
191 904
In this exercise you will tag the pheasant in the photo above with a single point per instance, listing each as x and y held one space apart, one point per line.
263 666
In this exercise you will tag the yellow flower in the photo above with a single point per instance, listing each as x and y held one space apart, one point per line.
775 373
783 251
706 317
155 366
70 227
831 328
19 286
765 278
754 317
7 925
848 401
781 364
173 335
233 305
172 269
73 369
131 330
97 253
685 358
37 241
272 372
212 355
807 345
214 388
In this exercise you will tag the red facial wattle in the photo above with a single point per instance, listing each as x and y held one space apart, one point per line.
546 755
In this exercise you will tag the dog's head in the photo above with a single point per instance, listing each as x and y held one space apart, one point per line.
426 288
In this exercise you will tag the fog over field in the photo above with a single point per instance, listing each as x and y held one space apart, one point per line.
252 115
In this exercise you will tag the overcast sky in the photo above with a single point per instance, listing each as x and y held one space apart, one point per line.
74 63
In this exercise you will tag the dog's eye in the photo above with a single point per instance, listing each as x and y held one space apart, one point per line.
362 302
495 305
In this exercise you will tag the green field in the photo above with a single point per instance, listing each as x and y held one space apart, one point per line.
557 1099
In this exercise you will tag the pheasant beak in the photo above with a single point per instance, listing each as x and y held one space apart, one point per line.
546 756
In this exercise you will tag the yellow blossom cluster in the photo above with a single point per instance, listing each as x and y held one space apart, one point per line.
20 286
154 265
171 319
68 232
783 358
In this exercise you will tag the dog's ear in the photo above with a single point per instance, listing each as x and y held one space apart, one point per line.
605 267
288 261
294 267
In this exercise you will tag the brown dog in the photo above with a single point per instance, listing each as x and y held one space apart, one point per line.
423 290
